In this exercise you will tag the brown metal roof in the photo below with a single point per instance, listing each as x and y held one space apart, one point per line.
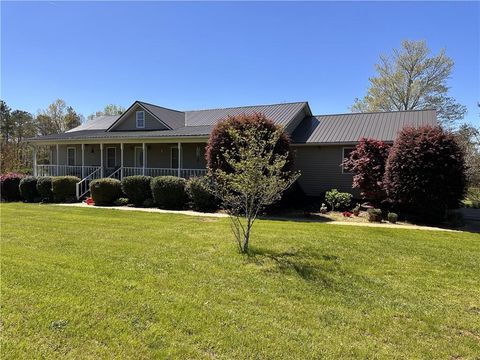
350 128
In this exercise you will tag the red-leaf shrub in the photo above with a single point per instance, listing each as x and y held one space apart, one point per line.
425 173
367 162
220 139
9 186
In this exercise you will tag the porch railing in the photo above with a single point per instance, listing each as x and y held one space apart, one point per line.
63 170
83 186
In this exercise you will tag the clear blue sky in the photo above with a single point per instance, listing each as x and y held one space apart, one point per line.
206 55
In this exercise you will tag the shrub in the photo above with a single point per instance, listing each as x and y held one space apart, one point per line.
9 186
221 139
64 188
28 188
44 188
137 188
392 217
105 191
374 215
121 202
169 192
323 209
425 173
337 200
197 189
367 162
148 203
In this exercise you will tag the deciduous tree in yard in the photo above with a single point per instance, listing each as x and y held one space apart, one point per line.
367 162
425 172
249 161
412 79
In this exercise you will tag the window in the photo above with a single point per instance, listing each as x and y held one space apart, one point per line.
138 156
174 157
71 152
346 154
140 116
111 157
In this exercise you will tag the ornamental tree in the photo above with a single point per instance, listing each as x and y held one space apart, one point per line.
425 172
367 162
248 160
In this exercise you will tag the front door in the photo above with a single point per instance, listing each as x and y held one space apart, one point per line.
138 156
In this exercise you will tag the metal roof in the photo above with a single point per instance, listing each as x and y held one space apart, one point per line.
186 131
97 123
350 128
172 118
281 114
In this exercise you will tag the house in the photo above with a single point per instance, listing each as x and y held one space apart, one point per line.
153 140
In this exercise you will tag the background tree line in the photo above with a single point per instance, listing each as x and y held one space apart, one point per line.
17 126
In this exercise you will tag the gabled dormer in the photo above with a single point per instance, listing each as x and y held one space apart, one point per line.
141 116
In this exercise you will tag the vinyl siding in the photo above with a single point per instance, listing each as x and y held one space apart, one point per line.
130 123
320 169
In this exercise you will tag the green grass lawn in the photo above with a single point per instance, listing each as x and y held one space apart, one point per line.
98 283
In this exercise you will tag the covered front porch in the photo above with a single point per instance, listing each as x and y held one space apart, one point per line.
118 160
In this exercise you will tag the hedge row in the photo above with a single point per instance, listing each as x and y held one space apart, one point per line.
16 187
167 192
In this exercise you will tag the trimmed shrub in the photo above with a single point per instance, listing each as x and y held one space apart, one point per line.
137 188
199 194
64 188
148 203
44 188
221 139
367 162
425 173
9 186
28 188
392 217
374 215
169 192
338 200
121 202
105 191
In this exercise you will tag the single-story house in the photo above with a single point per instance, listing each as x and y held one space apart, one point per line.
153 140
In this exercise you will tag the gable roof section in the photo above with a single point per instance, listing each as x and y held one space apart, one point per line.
171 119
350 128
282 114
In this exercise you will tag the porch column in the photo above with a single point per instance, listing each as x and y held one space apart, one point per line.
179 159
83 161
121 160
101 160
34 152
144 154
56 162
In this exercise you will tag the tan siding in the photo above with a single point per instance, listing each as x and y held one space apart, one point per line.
320 169
130 123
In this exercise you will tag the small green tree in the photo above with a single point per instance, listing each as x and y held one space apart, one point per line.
255 178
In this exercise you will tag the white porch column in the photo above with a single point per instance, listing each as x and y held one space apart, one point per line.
56 162
121 160
179 158
83 161
144 154
101 160
34 152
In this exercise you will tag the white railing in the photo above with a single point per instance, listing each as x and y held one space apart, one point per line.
188 173
62 170
83 186
117 174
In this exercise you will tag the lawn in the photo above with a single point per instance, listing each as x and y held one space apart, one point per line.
98 283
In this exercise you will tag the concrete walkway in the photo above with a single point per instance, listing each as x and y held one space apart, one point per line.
223 215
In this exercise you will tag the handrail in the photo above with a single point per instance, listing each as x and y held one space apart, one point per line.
117 174
81 187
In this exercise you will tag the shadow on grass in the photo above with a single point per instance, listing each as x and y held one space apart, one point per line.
310 266
297 217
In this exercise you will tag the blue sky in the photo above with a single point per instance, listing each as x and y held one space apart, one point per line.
206 55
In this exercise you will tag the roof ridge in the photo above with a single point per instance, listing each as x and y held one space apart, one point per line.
163 107
375 112
247 106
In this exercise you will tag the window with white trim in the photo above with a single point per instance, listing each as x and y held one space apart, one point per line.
140 119
71 152
346 154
